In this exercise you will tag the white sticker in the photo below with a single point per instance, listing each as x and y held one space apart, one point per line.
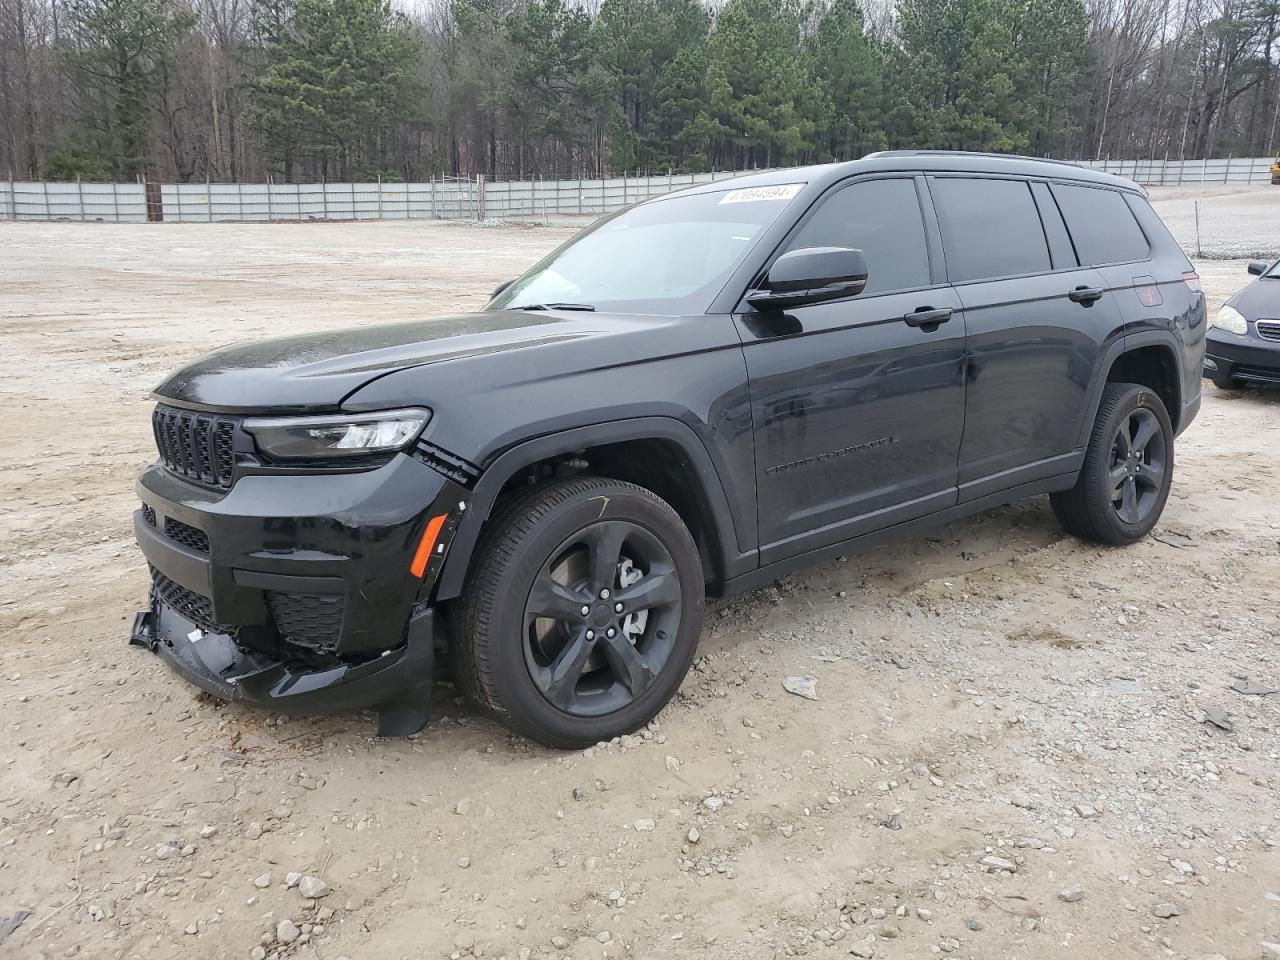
782 191
195 635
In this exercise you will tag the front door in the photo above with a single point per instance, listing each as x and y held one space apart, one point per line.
857 407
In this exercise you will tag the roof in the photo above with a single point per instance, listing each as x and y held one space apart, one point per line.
932 161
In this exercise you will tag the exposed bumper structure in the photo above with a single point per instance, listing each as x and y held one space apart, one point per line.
396 684
297 592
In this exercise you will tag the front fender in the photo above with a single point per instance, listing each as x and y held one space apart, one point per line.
733 560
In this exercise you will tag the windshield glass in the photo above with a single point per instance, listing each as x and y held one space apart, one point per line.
668 257
1274 271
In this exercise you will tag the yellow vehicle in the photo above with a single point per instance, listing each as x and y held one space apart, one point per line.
1275 172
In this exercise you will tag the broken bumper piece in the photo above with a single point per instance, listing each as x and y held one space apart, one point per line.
397 684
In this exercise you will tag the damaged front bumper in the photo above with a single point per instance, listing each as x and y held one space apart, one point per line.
397 683
300 592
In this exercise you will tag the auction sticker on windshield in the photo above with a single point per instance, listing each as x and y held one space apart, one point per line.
782 191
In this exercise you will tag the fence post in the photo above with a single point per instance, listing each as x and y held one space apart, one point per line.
1226 177
1197 205
80 196
1163 167
270 215
1204 168
324 198
379 196
433 196
480 197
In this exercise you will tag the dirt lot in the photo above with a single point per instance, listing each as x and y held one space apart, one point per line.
996 690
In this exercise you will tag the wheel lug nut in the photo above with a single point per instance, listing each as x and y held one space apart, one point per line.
610 632
604 594
584 610
617 608
591 634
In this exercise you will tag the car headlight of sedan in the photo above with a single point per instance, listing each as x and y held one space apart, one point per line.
338 436
1231 320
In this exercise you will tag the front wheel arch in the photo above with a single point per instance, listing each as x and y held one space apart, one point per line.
726 556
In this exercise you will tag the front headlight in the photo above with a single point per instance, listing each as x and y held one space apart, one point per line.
342 435
1231 320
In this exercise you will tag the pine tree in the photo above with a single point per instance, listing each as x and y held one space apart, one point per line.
118 57
338 75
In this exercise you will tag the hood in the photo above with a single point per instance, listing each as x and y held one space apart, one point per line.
1259 299
315 372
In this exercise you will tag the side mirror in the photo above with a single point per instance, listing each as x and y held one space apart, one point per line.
1258 268
811 275
499 288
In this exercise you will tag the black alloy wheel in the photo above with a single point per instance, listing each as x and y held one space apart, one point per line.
1138 461
581 613
601 618
1127 472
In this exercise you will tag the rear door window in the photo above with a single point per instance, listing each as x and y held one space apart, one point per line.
1102 225
881 218
990 228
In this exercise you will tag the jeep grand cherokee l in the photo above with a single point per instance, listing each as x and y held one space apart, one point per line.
692 396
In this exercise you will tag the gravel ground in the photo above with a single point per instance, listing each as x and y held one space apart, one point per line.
1011 752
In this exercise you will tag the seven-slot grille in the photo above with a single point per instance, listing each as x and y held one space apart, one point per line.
1268 329
195 445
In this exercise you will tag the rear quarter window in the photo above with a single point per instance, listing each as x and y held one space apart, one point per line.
1102 226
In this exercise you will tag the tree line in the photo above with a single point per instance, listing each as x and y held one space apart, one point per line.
304 90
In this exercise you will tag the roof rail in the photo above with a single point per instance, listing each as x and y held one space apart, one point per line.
968 153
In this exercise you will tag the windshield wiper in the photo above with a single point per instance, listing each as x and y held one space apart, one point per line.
555 306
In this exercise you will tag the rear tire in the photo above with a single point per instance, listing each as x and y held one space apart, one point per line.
522 646
1127 471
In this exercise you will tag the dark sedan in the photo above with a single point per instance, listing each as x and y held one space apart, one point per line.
1244 339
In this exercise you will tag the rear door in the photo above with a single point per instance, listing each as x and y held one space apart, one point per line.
857 413
1037 324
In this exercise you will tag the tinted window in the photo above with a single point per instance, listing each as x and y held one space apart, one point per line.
990 228
1101 225
882 219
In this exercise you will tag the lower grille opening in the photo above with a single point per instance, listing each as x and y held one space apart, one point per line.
1263 374
186 534
311 620
196 608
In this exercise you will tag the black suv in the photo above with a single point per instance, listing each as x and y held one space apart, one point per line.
692 396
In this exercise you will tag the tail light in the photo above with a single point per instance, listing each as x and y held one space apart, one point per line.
1192 280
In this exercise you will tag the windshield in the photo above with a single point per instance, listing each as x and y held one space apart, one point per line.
669 256
1274 271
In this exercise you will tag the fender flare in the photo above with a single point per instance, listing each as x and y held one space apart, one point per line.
485 493
1123 345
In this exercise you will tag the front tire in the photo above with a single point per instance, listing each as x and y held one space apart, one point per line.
582 614
1127 471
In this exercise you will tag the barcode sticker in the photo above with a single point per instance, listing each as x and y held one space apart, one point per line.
782 191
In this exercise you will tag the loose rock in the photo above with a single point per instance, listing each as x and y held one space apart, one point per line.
313 888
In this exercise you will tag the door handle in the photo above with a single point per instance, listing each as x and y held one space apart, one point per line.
927 317
1085 295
